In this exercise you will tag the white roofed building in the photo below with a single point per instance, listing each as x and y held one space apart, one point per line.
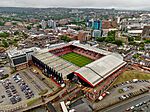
19 59
100 69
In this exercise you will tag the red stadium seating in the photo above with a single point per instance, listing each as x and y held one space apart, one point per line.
67 49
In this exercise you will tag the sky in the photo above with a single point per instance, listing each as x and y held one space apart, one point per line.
120 4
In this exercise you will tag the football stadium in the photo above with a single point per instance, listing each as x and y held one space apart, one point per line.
89 65
76 59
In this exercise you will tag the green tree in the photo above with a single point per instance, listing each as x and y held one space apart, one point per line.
130 39
141 48
24 35
118 42
16 39
39 26
4 34
14 23
29 27
109 39
136 55
5 43
101 39
146 41
111 36
142 44
16 33
10 42
112 33
15 44
1 23
65 38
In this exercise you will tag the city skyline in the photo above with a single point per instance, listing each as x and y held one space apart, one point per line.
74 56
124 4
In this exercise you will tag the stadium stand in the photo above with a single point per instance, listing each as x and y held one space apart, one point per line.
93 73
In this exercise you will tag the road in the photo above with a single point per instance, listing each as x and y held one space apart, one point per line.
123 106
39 103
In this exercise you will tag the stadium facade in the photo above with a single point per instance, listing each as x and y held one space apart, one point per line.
104 64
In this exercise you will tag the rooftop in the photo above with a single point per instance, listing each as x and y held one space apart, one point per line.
59 64
90 48
15 52
146 31
101 68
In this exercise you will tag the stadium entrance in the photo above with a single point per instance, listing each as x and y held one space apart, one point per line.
72 77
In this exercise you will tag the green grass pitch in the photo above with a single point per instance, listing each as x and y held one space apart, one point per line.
76 59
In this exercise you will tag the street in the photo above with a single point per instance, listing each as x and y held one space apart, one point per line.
121 107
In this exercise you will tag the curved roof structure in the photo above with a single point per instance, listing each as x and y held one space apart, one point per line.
90 48
100 69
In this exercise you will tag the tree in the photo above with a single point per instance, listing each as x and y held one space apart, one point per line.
142 44
65 38
146 41
130 39
14 23
136 56
4 34
39 26
141 48
1 23
29 27
15 44
118 42
111 36
16 33
16 39
101 39
10 42
132 43
112 33
5 43
24 35
109 39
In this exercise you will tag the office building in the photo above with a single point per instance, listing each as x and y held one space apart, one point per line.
43 24
96 33
19 59
51 24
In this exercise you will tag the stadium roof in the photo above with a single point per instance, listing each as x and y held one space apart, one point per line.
90 48
59 64
86 47
100 69
92 73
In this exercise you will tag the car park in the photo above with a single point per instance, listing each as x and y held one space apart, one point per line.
127 109
137 105
18 98
132 107
143 106
17 78
13 100
17 88
11 91
141 103
1 101
9 95
23 86
123 97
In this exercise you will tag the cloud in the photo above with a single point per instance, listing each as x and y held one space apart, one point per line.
128 4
